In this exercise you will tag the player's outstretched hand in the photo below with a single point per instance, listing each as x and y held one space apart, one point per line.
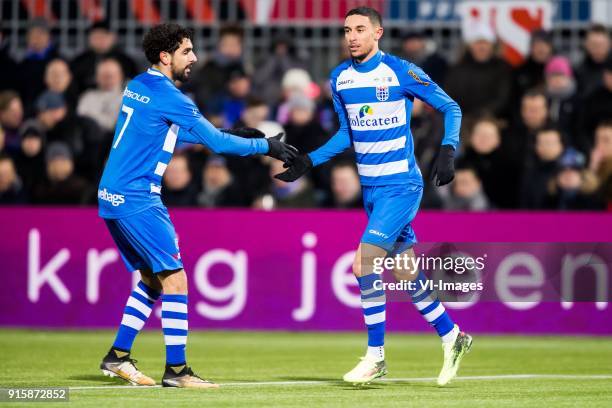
281 151
443 169
248 132
300 166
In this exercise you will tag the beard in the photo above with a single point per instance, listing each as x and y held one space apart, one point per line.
180 74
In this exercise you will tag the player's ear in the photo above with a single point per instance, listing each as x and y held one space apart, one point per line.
378 33
165 58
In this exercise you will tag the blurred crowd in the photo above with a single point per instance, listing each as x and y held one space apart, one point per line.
536 136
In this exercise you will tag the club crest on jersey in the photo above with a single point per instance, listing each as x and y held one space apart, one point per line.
382 92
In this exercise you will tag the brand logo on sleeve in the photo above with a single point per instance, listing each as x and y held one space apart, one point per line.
417 78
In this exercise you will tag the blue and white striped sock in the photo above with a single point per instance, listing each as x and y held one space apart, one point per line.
175 326
374 303
136 312
432 310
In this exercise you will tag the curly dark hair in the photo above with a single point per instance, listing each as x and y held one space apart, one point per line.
164 37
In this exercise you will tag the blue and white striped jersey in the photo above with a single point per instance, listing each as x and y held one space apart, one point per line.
154 115
374 102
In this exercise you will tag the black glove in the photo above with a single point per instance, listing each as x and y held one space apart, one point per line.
443 169
300 166
249 133
281 151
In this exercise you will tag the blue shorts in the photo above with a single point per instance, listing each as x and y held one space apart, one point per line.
390 211
147 240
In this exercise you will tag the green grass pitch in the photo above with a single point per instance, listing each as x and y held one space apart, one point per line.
273 369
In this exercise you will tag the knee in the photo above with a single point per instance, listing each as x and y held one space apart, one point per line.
174 282
405 274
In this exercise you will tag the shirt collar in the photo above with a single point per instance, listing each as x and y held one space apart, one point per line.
155 72
370 64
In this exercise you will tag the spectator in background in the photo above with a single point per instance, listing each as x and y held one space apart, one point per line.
179 189
234 100
102 104
30 159
601 160
62 185
251 173
573 187
40 50
539 171
345 187
305 132
530 74
11 188
58 79
297 194
595 109
295 82
602 151
9 66
533 117
254 113
11 118
481 82
82 135
102 44
466 191
597 47
415 49
302 129
218 186
267 78
210 80
326 113
561 93
494 166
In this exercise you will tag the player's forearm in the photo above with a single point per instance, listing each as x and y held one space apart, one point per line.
452 124
225 143
334 146
443 103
